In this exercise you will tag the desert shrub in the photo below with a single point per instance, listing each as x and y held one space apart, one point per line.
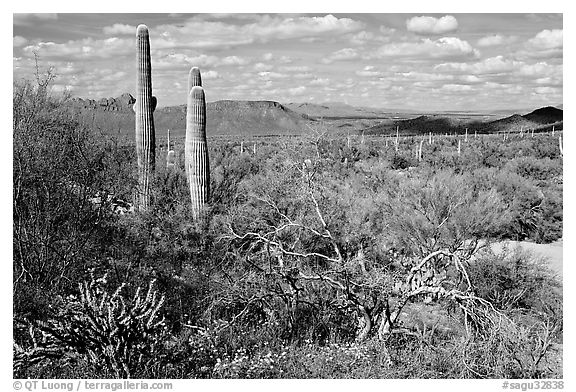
541 170
399 162
59 168
514 279
100 328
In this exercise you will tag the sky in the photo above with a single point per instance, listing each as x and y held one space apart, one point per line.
427 62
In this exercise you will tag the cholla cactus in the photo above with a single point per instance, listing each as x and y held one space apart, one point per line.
112 330
144 106
196 151
458 147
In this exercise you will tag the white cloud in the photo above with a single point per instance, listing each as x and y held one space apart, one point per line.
294 68
119 28
546 44
320 82
386 30
18 41
432 25
270 57
445 47
82 49
499 65
457 87
491 40
490 65
234 60
547 39
340 55
31 19
264 28
272 75
262 67
369 71
297 90
211 74
547 90
363 37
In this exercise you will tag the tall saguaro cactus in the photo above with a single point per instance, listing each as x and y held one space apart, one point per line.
196 151
170 155
144 106
194 78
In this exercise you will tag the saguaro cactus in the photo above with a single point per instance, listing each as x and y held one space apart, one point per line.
560 145
194 78
196 151
420 151
170 155
144 107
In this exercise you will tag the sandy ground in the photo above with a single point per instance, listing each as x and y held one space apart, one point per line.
552 253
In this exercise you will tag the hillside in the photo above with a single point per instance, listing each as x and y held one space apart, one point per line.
547 115
334 110
421 125
260 118
255 118
539 120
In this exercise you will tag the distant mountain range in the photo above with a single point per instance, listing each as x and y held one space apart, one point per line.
253 118
260 118
539 120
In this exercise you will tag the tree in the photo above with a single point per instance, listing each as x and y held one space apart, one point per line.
303 228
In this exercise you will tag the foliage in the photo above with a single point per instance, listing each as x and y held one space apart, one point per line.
319 256
101 328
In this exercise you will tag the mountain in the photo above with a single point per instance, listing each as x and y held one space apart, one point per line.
254 118
259 118
334 110
539 119
547 115
420 125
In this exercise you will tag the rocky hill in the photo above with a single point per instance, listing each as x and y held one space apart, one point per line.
121 103
253 118
260 118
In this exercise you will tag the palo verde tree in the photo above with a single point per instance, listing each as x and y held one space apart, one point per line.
362 251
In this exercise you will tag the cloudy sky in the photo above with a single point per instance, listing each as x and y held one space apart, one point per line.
424 62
